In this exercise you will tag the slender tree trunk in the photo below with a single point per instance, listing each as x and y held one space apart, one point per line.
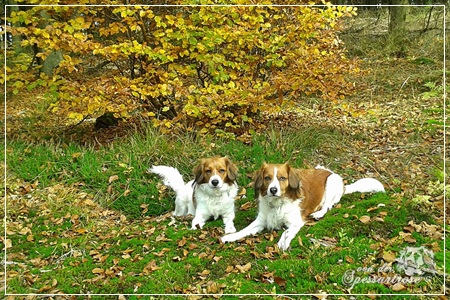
16 39
55 57
397 16
397 26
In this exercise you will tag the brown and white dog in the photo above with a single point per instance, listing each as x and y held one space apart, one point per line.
210 194
289 196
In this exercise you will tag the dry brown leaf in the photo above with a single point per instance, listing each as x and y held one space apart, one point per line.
113 178
244 268
280 281
182 242
246 206
365 219
89 202
217 258
192 246
407 237
388 256
98 271
150 268
372 208
229 269
398 287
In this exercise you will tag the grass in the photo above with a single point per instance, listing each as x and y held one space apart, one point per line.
129 160
74 234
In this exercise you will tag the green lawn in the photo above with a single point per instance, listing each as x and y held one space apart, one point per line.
72 231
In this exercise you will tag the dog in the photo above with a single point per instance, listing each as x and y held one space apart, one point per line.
210 194
289 196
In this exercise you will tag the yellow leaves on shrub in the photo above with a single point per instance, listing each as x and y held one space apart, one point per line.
181 67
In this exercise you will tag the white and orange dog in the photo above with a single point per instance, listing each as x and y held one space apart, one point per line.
288 196
210 194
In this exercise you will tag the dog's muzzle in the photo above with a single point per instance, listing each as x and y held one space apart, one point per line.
273 190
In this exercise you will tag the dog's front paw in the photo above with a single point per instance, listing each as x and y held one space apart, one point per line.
317 215
230 229
284 242
283 245
227 238
196 226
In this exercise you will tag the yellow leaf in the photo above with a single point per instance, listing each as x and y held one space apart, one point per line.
75 116
388 256
165 108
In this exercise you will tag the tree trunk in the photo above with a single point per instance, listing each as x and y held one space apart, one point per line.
397 26
55 57
16 39
397 16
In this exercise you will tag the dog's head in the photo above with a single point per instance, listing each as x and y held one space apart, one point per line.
215 172
277 180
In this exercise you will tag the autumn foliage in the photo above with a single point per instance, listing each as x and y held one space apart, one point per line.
210 69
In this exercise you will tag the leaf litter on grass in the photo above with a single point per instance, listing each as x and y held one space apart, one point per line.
385 134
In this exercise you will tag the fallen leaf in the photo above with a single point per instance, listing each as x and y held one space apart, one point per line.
322 295
113 178
244 268
280 281
388 256
182 242
372 208
150 268
76 155
398 287
217 258
242 194
365 219
246 206
98 271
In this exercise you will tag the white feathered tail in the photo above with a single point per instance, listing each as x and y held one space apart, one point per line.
172 178
365 185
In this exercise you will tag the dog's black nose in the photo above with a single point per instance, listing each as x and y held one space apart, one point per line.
214 182
273 190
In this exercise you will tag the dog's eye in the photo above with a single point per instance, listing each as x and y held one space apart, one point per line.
282 178
221 171
267 178
208 171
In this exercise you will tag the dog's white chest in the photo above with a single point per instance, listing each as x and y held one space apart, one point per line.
280 212
216 202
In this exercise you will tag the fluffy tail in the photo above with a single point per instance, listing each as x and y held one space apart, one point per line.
170 176
365 185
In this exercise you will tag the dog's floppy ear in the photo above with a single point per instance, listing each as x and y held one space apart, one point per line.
258 180
198 172
232 169
294 178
